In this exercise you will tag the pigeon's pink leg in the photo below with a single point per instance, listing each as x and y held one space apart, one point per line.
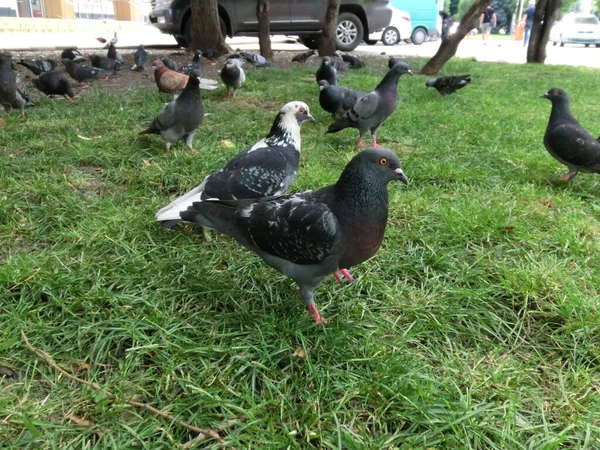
337 277
375 144
568 176
361 143
347 274
316 316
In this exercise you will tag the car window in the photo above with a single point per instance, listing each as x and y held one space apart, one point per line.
587 20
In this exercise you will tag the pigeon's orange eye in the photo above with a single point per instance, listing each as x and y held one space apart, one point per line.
301 110
383 161
555 92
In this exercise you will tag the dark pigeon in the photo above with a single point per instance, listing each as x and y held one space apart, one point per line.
169 63
265 169
55 83
112 52
353 61
38 66
567 141
140 57
327 72
449 85
375 107
337 99
72 54
310 235
102 62
233 76
12 89
195 65
211 55
393 61
82 72
181 118
302 57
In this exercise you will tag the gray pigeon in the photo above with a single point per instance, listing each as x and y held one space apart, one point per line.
353 61
337 99
102 62
169 63
38 66
265 169
72 54
393 61
140 57
309 235
327 72
302 57
55 83
12 89
233 76
112 51
181 118
375 107
567 141
82 72
196 65
449 85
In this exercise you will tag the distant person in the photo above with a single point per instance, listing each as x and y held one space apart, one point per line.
487 20
447 23
528 19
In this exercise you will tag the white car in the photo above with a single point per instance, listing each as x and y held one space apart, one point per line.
399 29
576 28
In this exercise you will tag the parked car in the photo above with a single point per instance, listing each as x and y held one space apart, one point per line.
423 16
576 28
303 18
398 30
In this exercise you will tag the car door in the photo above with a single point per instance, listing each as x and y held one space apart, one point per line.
246 15
307 15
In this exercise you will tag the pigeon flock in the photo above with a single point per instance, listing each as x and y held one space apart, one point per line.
309 235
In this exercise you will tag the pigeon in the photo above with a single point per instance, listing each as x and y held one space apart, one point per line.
337 99
265 169
102 62
449 85
168 80
327 72
12 89
82 72
375 107
393 61
312 234
38 66
195 65
55 83
302 57
338 65
112 41
255 59
169 63
567 141
233 76
181 118
140 57
211 55
72 54
353 61
112 52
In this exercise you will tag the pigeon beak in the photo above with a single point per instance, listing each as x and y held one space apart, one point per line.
401 175
311 118
545 95
409 72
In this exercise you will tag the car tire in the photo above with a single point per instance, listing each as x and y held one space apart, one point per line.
419 36
349 32
311 42
371 42
587 45
390 36
187 31
597 45
181 41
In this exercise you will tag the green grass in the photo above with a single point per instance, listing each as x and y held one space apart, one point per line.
475 326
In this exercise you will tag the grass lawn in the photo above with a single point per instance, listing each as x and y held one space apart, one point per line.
476 325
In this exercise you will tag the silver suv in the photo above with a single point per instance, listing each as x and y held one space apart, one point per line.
303 18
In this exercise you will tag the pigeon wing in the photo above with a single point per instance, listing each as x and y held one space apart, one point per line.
572 144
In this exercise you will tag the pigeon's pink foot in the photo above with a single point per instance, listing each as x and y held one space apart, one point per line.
337 277
316 316
347 274
375 144
361 143
70 100
192 151
23 116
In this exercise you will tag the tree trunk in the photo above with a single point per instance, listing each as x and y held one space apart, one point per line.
544 17
448 48
264 36
327 41
206 30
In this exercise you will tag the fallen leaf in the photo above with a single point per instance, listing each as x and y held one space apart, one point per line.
2 122
300 353
146 162
226 143
509 227
7 372
81 422
80 367
84 138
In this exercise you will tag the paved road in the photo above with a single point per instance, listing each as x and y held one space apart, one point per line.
496 50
